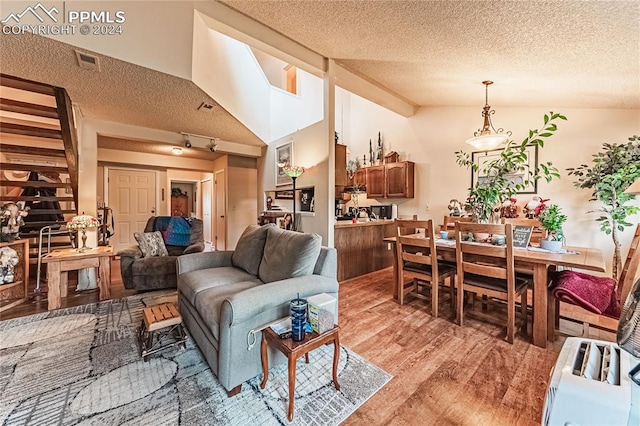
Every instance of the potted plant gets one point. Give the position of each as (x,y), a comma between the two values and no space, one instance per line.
(614,169)
(498,185)
(552,219)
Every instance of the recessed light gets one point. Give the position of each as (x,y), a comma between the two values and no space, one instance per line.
(176,150)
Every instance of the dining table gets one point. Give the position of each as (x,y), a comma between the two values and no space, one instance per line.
(537,261)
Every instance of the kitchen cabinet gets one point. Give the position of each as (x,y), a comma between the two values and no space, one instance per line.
(341,165)
(359,178)
(375,178)
(399,180)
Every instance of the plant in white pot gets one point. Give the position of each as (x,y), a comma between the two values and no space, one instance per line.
(552,219)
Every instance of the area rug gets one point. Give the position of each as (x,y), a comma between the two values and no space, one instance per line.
(81,366)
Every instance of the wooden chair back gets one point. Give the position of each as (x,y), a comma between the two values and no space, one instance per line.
(538,231)
(483,259)
(451,220)
(630,268)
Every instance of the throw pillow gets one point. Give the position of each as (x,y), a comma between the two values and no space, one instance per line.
(151,244)
(288,254)
(248,252)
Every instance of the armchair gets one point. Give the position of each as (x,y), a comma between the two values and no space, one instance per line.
(152,273)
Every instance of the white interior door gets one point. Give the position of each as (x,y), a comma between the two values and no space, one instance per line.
(220,211)
(207,193)
(132,196)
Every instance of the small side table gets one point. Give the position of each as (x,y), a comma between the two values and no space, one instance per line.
(61,261)
(160,322)
(293,351)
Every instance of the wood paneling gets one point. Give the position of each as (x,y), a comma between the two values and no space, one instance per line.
(361,248)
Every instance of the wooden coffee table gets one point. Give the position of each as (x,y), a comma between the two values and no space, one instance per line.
(293,351)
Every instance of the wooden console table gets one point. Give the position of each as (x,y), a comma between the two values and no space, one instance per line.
(14,293)
(60,262)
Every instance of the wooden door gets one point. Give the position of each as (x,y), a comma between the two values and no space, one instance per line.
(220,239)
(132,196)
(400,180)
(207,192)
(375,182)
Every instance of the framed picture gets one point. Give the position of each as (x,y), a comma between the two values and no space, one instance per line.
(283,157)
(284,195)
(481,158)
(307,199)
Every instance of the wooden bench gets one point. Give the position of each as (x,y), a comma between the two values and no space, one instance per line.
(162,323)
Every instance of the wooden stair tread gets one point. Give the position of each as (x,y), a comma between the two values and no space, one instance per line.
(42,224)
(27,85)
(28,108)
(20,129)
(38,212)
(32,150)
(34,198)
(32,167)
(35,184)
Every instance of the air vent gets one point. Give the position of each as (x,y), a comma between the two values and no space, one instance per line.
(87,61)
(206,106)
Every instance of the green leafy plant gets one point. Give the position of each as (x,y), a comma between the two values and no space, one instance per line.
(485,196)
(552,219)
(613,170)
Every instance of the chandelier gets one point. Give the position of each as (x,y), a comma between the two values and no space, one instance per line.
(485,139)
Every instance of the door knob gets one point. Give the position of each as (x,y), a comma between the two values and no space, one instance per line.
(221,217)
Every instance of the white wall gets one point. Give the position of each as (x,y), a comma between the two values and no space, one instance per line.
(432,136)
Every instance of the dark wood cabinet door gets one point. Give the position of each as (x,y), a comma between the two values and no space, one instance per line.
(375,181)
(400,180)
(359,178)
(341,165)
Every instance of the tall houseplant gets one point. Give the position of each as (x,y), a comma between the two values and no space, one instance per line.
(613,170)
(491,192)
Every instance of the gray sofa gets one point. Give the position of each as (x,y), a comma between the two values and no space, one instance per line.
(226,297)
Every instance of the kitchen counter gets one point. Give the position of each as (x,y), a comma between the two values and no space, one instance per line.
(361,248)
(349,224)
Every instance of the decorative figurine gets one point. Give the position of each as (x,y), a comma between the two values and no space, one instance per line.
(370,153)
(534,207)
(379,154)
(455,208)
(12,218)
(509,208)
(8,260)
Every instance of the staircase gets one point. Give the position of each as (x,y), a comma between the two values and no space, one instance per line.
(37,134)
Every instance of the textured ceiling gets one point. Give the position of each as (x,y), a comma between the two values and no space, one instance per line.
(121,92)
(539,53)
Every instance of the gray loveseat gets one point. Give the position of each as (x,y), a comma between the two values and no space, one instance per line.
(226,297)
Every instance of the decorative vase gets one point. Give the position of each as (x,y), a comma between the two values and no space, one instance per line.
(551,245)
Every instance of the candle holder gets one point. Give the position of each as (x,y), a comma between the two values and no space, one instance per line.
(82,223)
(298,310)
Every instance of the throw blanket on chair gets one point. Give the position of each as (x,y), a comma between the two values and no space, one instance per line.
(595,294)
(175,230)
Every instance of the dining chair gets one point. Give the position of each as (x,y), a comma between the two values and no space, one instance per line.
(449,221)
(418,260)
(488,270)
(538,231)
(622,287)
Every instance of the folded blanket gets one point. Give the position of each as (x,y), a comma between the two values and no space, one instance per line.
(175,230)
(595,294)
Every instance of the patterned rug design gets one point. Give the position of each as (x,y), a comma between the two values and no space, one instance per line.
(81,366)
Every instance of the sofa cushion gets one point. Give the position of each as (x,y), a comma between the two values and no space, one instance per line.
(194,282)
(154,266)
(248,252)
(288,254)
(209,301)
(151,244)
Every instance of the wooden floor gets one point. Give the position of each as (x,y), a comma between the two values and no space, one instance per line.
(442,374)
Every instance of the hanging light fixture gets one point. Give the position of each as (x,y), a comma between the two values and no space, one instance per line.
(485,139)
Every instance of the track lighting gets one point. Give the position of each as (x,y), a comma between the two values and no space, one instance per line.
(187,144)
(188,137)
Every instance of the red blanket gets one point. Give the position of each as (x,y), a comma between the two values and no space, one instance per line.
(595,294)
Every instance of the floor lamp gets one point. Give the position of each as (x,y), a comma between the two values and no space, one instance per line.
(294,172)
